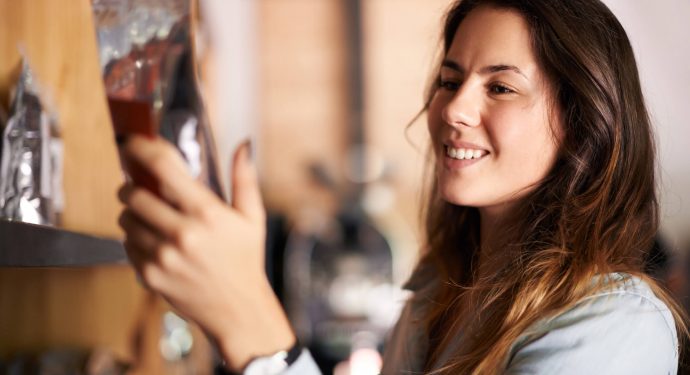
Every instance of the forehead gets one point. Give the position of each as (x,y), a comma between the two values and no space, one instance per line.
(490,35)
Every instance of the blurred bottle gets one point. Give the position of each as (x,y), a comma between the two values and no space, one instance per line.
(338,283)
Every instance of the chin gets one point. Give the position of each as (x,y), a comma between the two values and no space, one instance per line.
(459,197)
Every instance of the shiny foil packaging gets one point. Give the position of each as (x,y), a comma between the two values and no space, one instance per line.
(3,121)
(30,158)
(147,61)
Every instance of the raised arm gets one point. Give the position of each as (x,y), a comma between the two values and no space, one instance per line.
(204,257)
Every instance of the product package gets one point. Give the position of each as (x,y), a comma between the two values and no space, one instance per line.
(3,122)
(148,69)
(30,158)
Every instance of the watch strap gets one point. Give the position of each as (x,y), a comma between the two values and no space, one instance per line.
(275,364)
(293,353)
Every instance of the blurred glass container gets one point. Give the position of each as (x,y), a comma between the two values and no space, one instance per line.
(338,284)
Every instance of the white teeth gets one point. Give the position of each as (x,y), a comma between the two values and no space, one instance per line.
(464,153)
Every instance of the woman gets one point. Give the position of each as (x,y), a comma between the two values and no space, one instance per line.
(540,213)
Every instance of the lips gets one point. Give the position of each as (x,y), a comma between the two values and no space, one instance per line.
(462,154)
(464,150)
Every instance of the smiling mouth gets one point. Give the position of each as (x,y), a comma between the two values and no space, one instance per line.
(464,153)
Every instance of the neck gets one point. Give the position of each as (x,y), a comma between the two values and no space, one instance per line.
(492,254)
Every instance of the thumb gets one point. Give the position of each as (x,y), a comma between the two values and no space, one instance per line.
(246,197)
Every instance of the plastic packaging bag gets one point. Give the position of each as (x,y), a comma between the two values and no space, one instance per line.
(148,70)
(30,158)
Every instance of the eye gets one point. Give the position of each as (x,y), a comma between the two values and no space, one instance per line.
(449,85)
(499,89)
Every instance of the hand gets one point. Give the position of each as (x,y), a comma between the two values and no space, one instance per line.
(205,258)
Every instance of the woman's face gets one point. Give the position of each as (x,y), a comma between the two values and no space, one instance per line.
(489,121)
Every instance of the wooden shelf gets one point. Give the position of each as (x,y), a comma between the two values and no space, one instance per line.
(28,245)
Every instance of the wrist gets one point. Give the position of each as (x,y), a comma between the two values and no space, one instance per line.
(274,364)
(260,329)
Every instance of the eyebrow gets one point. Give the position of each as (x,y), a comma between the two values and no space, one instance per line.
(485,70)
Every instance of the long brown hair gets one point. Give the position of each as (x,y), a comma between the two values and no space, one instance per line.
(596,211)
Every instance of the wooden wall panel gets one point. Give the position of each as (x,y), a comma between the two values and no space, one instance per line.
(43,308)
(89,308)
(85,307)
(59,40)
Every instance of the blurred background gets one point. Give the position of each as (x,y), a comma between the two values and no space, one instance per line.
(327,91)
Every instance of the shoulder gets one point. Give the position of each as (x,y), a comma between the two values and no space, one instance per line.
(624,329)
(625,302)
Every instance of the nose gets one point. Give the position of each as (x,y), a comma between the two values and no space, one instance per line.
(463,107)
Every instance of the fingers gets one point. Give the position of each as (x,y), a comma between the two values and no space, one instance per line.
(151,210)
(164,162)
(138,233)
(246,196)
(148,273)
(151,256)
(137,257)
(141,243)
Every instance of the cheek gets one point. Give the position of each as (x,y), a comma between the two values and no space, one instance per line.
(523,141)
(506,128)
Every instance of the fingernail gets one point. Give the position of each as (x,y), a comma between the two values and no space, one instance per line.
(247,145)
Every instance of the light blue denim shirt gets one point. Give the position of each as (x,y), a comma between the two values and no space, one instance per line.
(624,330)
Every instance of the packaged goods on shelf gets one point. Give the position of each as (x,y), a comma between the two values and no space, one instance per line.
(30,158)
